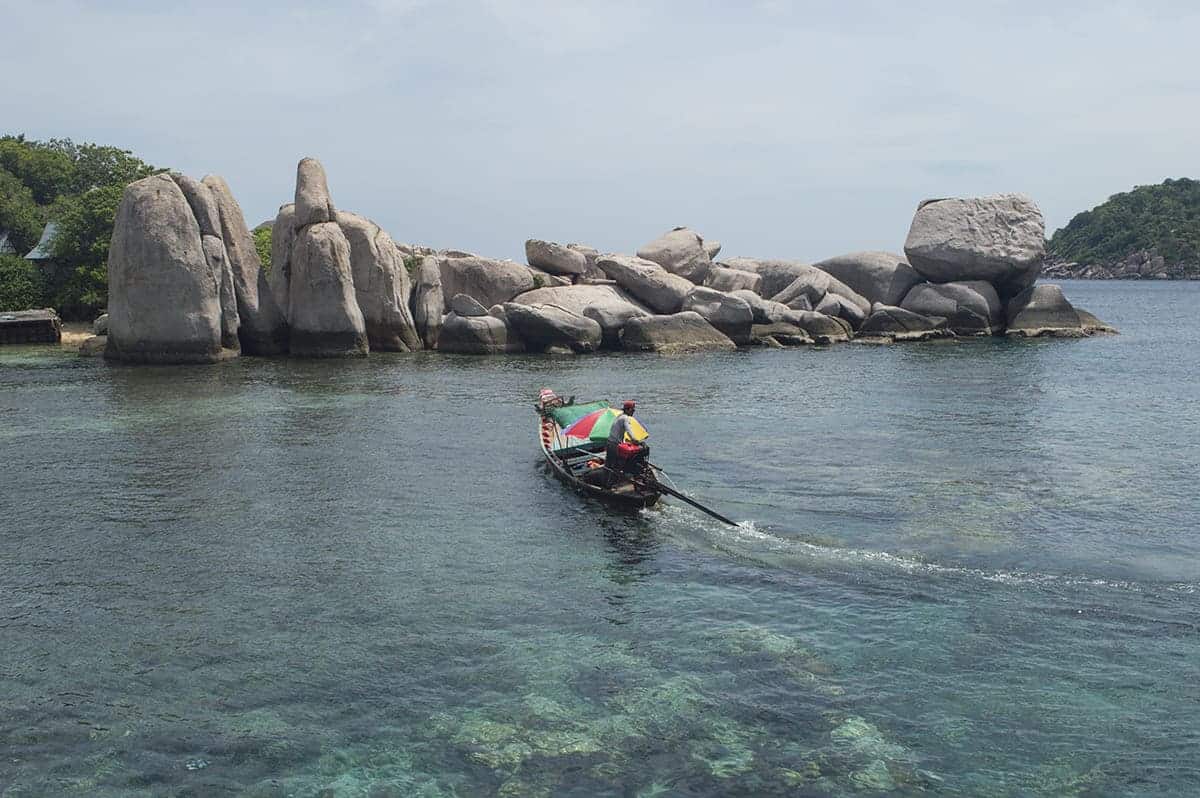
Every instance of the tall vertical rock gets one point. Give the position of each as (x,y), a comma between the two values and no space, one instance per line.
(263,330)
(218,261)
(204,207)
(325,318)
(283,235)
(381,285)
(163,296)
(323,313)
(427,301)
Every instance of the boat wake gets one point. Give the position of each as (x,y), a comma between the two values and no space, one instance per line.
(749,543)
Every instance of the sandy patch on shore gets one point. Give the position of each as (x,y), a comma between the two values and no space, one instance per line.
(75,333)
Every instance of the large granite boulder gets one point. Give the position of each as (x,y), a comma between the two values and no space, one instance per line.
(427,300)
(325,318)
(681,252)
(218,261)
(725,279)
(812,285)
(543,278)
(729,314)
(779,334)
(283,236)
(491,282)
(896,323)
(202,203)
(591,255)
(712,249)
(476,335)
(262,327)
(381,285)
(164,303)
(464,305)
(607,305)
(313,203)
(674,334)
(554,258)
(821,328)
(776,274)
(654,286)
(834,305)
(551,328)
(765,311)
(877,276)
(999,238)
(970,308)
(1043,310)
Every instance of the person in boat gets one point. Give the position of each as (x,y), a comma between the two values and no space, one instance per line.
(618,461)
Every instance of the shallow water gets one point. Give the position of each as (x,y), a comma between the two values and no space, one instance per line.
(965,569)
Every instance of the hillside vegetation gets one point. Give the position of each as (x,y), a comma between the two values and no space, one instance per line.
(78,186)
(1162,220)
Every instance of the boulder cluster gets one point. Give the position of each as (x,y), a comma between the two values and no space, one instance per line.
(186,285)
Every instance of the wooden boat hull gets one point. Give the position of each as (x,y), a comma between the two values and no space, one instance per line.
(624,494)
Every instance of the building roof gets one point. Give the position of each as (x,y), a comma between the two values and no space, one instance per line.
(6,247)
(43,251)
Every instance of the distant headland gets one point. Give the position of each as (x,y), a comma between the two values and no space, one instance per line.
(1149,233)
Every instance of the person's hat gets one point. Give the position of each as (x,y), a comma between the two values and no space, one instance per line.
(629,404)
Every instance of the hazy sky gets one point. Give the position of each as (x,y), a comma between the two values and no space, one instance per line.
(794,130)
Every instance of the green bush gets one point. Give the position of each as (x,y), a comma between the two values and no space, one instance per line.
(262,243)
(21,285)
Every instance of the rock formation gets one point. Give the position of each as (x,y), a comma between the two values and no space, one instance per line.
(262,329)
(427,301)
(877,276)
(554,258)
(674,334)
(325,318)
(476,335)
(548,328)
(727,313)
(1000,239)
(313,204)
(648,282)
(1043,310)
(607,305)
(970,308)
(680,252)
(725,279)
(898,324)
(491,282)
(164,300)
(381,285)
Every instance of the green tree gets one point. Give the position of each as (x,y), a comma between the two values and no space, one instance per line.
(262,243)
(20,216)
(45,170)
(85,226)
(20,284)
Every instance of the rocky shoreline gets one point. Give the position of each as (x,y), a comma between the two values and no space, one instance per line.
(186,286)
(1140,265)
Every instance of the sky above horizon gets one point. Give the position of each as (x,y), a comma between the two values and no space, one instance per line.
(788,130)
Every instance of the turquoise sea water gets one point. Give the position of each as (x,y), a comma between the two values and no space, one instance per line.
(965,569)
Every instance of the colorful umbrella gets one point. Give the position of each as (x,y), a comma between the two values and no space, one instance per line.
(595,426)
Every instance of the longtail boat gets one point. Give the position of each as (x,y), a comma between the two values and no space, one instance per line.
(580,461)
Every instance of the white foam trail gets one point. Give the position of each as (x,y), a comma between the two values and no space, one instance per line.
(726,538)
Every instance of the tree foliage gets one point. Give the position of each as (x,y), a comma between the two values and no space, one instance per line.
(20,216)
(1164,219)
(262,243)
(79,187)
(20,284)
